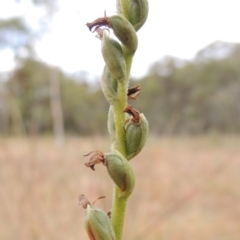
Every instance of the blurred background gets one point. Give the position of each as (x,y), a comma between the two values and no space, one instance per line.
(52,111)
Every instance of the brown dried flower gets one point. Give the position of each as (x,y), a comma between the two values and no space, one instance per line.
(82,200)
(135,115)
(96,158)
(133,92)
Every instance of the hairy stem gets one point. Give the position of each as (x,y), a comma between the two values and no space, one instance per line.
(128,59)
(119,203)
(118,213)
(119,117)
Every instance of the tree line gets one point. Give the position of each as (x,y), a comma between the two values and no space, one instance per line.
(178,97)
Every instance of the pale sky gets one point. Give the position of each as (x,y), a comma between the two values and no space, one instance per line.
(174,27)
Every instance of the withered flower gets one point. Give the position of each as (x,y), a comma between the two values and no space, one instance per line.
(82,200)
(99,22)
(135,115)
(121,27)
(133,92)
(96,158)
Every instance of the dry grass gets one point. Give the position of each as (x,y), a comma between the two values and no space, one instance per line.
(187,188)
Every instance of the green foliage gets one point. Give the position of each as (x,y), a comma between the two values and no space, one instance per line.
(198,97)
(14,33)
(29,87)
(83,108)
(17,34)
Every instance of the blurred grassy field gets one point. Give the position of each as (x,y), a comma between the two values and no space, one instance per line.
(187,188)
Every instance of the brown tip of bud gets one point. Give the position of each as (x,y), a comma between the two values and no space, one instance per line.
(97,157)
(134,92)
(82,200)
(135,115)
(99,22)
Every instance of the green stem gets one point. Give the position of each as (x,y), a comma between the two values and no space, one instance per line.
(119,118)
(128,60)
(119,203)
(118,213)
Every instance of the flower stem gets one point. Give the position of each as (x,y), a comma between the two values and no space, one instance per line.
(119,118)
(118,213)
(119,203)
(128,59)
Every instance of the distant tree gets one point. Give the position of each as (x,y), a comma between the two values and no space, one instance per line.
(14,34)
(56,107)
(29,87)
(198,96)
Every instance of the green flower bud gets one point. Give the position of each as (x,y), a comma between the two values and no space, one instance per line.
(136,132)
(111,125)
(124,31)
(120,171)
(98,225)
(136,11)
(109,85)
(113,57)
(119,7)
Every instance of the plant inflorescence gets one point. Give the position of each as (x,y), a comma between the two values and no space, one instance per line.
(127,127)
